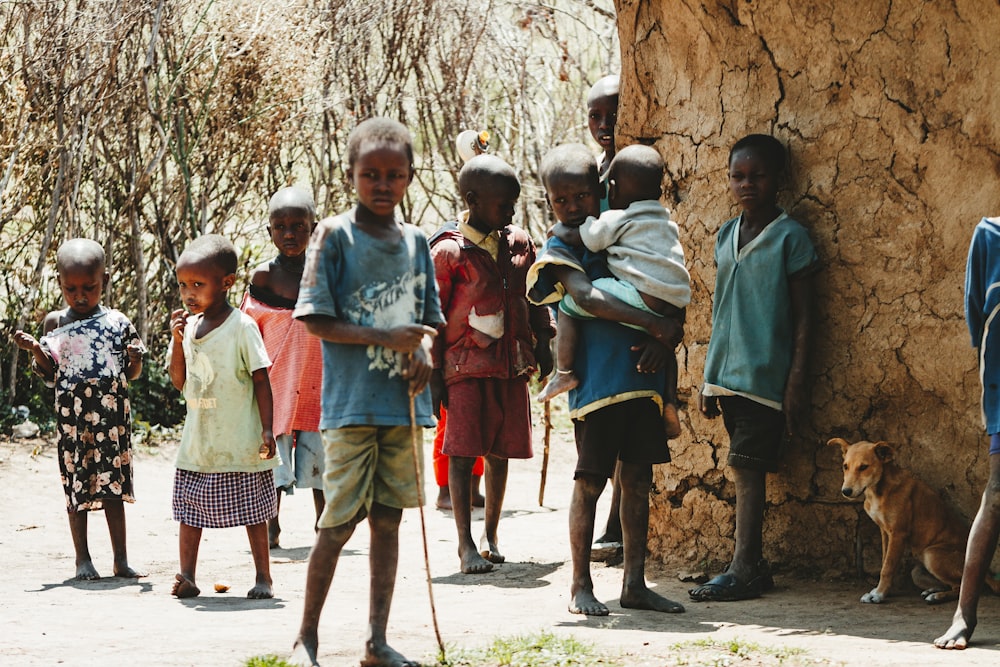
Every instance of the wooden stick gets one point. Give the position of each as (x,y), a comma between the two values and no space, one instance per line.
(417,441)
(547,419)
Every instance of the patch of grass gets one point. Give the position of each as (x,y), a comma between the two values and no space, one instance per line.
(738,652)
(266,661)
(544,649)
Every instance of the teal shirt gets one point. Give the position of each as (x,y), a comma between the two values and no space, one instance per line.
(750,352)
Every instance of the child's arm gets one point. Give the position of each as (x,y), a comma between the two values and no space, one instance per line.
(265,405)
(133,367)
(178,367)
(667,330)
(794,403)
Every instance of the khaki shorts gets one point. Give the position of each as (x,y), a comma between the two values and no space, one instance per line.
(365,465)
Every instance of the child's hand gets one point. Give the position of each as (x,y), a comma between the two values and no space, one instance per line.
(708,406)
(667,330)
(25,341)
(417,368)
(268,448)
(135,352)
(408,337)
(543,355)
(652,355)
(178,320)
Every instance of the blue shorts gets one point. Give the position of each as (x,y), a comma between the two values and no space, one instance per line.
(995,444)
(302,465)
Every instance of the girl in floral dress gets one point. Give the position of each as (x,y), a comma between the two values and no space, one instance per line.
(89,354)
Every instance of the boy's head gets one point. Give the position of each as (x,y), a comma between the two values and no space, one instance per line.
(291,215)
(572,183)
(756,164)
(489,188)
(602,112)
(636,174)
(380,164)
(81,274)
(206,270)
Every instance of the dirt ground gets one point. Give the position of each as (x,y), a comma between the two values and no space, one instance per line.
(47,618)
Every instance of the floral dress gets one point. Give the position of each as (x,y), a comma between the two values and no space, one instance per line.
(92,408)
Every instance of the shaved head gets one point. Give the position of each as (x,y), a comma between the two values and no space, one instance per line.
(604,87)
(638,173)
(291,198)
(485,172)
(569,161)
(80,255)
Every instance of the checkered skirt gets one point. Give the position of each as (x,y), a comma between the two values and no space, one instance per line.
(224,499)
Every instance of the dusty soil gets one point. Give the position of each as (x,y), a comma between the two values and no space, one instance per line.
(48,618)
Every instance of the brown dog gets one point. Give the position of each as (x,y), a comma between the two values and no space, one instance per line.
(906,510)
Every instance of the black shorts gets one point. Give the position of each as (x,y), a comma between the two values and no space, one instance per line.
(631,431)
(756,433)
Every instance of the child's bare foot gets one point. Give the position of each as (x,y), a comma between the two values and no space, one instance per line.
(559,382)
(262,590)
(958,635)
(643,598)
(443,501)
(86,571)
(584,602)
(489,550)
(184,587)
(304,653)
(473,562)
(383,655)
(671,422)
(124,571)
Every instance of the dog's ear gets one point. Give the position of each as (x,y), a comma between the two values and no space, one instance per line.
(840,442)
(884,451)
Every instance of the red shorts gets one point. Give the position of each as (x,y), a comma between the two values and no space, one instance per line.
(488,416)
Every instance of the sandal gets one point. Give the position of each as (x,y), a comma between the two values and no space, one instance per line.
(727,588)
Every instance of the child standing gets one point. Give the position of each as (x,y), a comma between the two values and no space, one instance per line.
(296,373)
(217,358)
(368,292)
(602,116)
(982,303)
(89,354)
(488,349)
(755,370)
(616,408)
(644,253)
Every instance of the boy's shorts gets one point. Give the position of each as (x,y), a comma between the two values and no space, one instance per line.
(995,444)
(620,289)
(756,433)
(489,417)
(365,465)
(631,431)
(301,464)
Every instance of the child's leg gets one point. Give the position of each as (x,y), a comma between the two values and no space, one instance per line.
(443,501)
(189,538)
(636,479)
(671,421)
(114,513)
(273,525)
(563,379)
(322,565)
(982,544)
(383,559)
(257,534)
(613,529)
(319,502)
(478,499)
(496,487)
(78,530)
(459,482)
(751,492)
(582,508)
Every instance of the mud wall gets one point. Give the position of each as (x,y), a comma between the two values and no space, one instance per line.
(891,114)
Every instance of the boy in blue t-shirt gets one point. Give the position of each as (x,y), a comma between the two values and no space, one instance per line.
(368,291)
